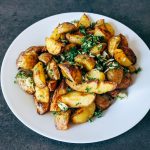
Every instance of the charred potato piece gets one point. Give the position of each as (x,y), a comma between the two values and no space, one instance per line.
(83,114)
(52,84)
(70,72)
(55,35)
(61,90)
(45,58)
(27,60)
(113,44)
(123,41)
(69,46)
(115,75)
(95,74)
(37,49)
(25,81)
(39,75)
(103,101)
(42,99)
(121,58)
(84,21)
(61,120)
(74,38)
(77,99)
(114,93)
(98,49)
(54,47)
(110,28)
(86,61)
(52,70)
(66,27)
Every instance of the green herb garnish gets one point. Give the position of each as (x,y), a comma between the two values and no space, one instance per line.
(138,70)
(69,89)
(88,89)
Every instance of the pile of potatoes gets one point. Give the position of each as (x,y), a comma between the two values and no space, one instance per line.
(61,87)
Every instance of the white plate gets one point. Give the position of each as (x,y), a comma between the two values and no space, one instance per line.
(119,118)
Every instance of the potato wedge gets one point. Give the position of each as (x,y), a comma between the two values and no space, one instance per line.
(121,58)
(110,28)
(95,74)
(77,99)
(39,75)
(66,27)
(84,21)
(54,47)
(27,60)
(82,115)
(42,99)
(86,61)
(74,38)
(100,22)
(132,68)
(113,44)
(61,120)
(45,58)
(61,90)
(55,35)
(115,75)
(25,81)
(37,49)
(98,49)
(70,72)
(52,84)
(124,41)
(52,70)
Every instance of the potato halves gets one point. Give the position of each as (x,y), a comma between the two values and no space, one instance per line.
(84,21)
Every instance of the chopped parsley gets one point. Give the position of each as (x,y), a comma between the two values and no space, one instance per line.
(69,89)
(121,95)
(88,89)
(63,106)
(82,30)
(78,103)
(138,70)
(92,25)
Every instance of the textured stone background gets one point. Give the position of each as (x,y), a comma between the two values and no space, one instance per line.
(16,15)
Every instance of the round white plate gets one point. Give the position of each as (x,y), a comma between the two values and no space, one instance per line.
(120,117)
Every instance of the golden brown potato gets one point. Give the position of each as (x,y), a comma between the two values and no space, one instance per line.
(113,44)
(27,60)
(98,49)
(37,49)
(54,47)
(110,28)
(83,114)
(121,58)
(69,46)
(103,101)
(61,120)
(39,75)
(115,75)
(25,81)
(114,93)
(52,84)
(66,27)
(45,58)
(84,21)
(77,99)
(55,35)
(100,22)
(95,74)
(132,68)
(42,99)
(86,61)
(52,70)
(74,38)
(124,41)
(71,72)
(61,90)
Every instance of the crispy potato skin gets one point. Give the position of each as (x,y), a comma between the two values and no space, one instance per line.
(110,28)
(70,72)
(83,114)
(45,58)
(39,75)
(37,49)
(124,41)
(52,84)
(86,61)
(76,99)
(84,21)
(114,93)
(27,60)
(115,75)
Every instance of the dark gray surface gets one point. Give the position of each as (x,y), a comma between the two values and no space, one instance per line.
(16,15)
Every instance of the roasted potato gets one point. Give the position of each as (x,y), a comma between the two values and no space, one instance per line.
(52,84)
(69,46)
(95,74)
(132,68)
(66,27)
(74,38)
(39,75)
(114,93)
(113,44)
(27,60)
(98,49)
(77,99)
(52,70)
(37,49)
(99,22)
(54,47)
(71,72)
(110,28)
(123,41)
(84,21)
(83,114)
(42,99)
(115,75)
(61,90)
(61,120)
(25,81)
(55,35)
(45,58)
(86,61)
